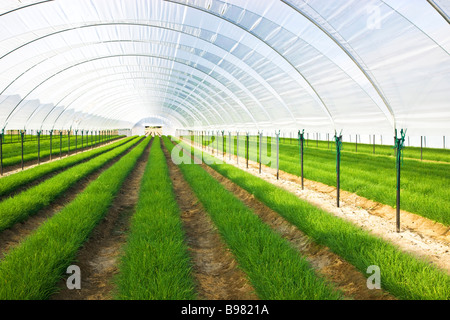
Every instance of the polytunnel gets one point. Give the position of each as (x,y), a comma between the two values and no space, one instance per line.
(356,66)
(248,151)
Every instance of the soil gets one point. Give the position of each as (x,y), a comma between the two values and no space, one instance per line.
(99,257)
(426,239)
(14,235)
(341,274)
(216,271)
(333,268)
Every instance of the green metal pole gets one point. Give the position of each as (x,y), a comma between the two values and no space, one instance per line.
(39,146)
(1,153)
(338,140)
(51,136)
(68,142)
(60,144)
(301,141)
(260,150)
(22,133)
(246,153)
(278,153)
(399,146)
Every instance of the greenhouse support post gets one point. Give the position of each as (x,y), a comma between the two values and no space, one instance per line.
(223,144)
(82,137)
(399,145)
(76,140)
(246,149)
(277,134)
(237,147)
(51,136)
(421,146)
(356,143)
(301,140)
(22,133)
(39,146)
(229,145)
(373,144)
(60,144)
(1,153)
(338,140)
(68,142)
(260,150)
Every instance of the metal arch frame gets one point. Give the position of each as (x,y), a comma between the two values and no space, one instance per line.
(117,106)
(107,121)
(196,98)
(187,110)
(97,58)
(177,60)
(351,56)
(135,24)
(118,109)
(439,10)
(110,74)
(146,119)
(163,120)
(159,67)
(160,79)
(359,66)
(24,7)
(268,45)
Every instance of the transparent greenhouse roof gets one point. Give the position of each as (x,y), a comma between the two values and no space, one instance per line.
(358,66)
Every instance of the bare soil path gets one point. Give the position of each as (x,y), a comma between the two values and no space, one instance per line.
(99,257)
(14,235)
(215,269)
(420,236)
(330,266)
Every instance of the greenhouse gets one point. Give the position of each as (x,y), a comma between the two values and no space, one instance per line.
(200,150)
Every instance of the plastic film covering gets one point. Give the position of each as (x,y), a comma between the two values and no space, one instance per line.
(358,66)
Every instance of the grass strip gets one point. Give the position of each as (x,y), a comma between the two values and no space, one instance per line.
(19,179)
(424,185)
(431,154)
(33,269)
(12,153)
(19,207)
(156,264)
(402,274)
(275,269)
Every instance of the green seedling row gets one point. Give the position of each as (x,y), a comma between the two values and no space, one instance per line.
(12,152)
(33,269)
(402,274)
(427,154)
(155,264)
(19,179)
(21,206)
(424,185)
(275,269)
